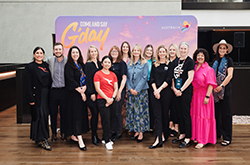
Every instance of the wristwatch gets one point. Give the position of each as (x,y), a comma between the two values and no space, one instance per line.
(222,85)
(207,97)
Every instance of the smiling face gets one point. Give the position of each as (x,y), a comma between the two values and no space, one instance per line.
(136,52)
(200,58)
(183,50)
(222,50)
(93,53)
(114,53)
(38,56)
(162,54)
(75,54)
(172,51)
(58,50)
(125,48)
(149,52)
(106,64)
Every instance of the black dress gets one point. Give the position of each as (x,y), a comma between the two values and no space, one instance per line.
(37,80)
(77,114)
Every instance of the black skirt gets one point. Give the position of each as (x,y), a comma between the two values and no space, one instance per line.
(39,129)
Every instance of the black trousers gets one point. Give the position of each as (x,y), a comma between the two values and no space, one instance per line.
(183,105)
(223,115)
(106,118)
(58,98)
(117,119)
(161,113)
(94,114)
(173,114)
(150,106)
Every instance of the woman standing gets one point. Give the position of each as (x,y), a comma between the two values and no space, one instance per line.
(174,55)
(202,106)
(125,50)
(148,54)
(120,69)
(38,81)
(160,80)
(137,115)
(223,67)
(183,89)
(76,86)
(91,67)
(106,86)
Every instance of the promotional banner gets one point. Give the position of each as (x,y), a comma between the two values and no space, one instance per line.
(107,31)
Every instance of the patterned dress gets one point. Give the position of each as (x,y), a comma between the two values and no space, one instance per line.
(137,113)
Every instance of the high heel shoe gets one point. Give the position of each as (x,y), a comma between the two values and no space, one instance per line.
(177,140)
(139,140)
(134,137)
(73,141)
(157,145)
(83,148)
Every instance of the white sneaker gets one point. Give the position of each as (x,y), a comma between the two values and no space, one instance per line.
(109,146)
(103,142)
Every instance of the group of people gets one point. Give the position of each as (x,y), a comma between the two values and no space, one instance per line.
(168,92)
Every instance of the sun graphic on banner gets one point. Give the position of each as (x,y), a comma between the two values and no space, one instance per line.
(185,26)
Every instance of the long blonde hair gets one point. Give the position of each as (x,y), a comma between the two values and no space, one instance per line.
(89,59)
(176,50)
(157,58)
(143,60)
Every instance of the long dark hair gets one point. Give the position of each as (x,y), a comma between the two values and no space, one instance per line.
(36,49)
(129,51)
(217,55)
(80,59)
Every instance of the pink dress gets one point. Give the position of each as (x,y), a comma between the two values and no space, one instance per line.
(202,116)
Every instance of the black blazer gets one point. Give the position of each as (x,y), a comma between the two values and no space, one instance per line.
(33,83)
(72,77)
(90,69)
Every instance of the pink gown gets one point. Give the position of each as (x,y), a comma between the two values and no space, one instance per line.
(202,116)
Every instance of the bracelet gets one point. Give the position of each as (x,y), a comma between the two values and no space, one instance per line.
(112,97)
(180,90)
(207,97)
(222,85)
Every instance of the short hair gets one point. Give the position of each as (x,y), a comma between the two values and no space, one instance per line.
(88,53)
(111,60)
(184,43)
(58,43)
(119,58)
(80,59)
(201,50)
(145,49)
(129,51)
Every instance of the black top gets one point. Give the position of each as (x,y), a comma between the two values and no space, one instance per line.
(188,66)
(120,69)
(36,77)
(44,71)
(229,64)
(72,77)
(161,73)
(90,69)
